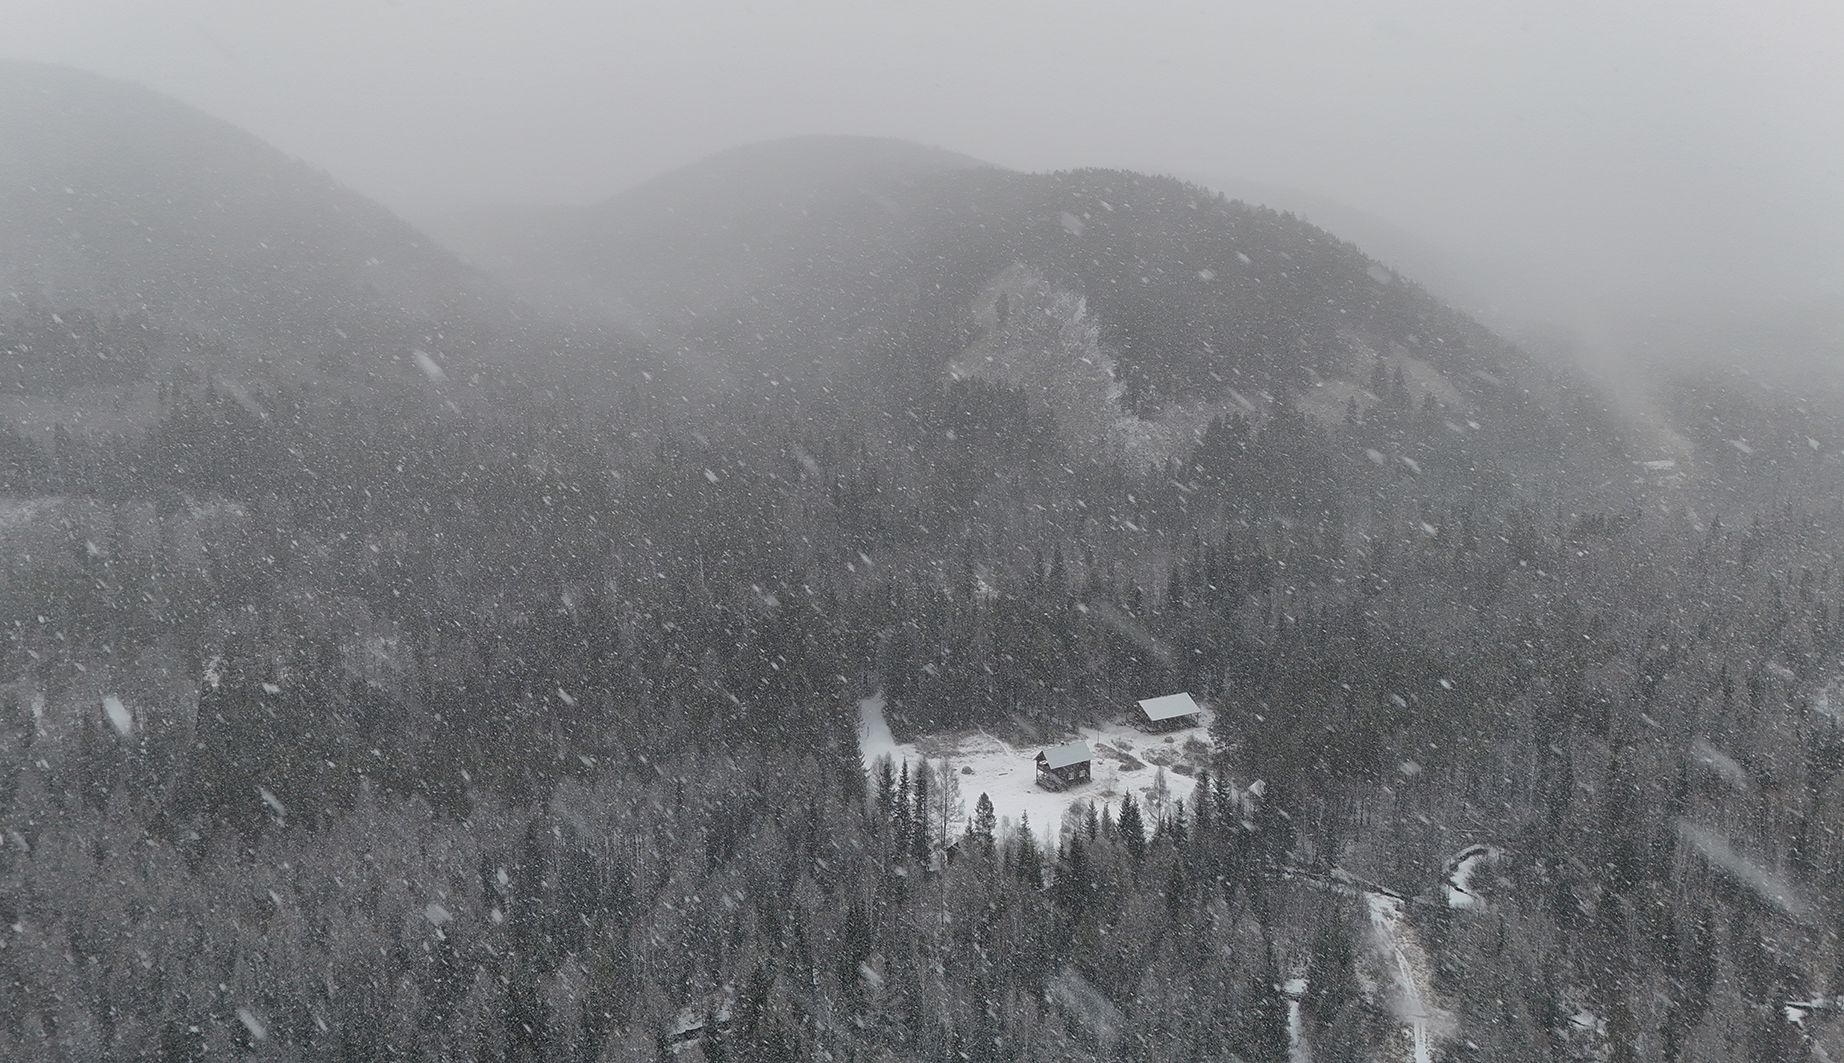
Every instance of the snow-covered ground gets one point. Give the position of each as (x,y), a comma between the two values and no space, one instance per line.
(1407,966)
(1126,760)
(1298,1051)
(1461,892)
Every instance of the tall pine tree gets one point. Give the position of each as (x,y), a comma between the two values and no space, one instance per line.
(1132,828)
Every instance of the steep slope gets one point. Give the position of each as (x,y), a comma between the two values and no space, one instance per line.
(119,201)
(1104,294)
(1189,292)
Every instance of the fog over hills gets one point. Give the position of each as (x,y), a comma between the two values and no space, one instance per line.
(771,259)
(573,654)
(705,237)
(836,232)
(118,199)
(1151,306)
(1135,309)
(131,223)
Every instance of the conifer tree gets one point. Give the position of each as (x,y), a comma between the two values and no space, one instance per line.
(1176,890)
(1132,829)
(919,821)
(1331,974)
(886,786)
(984,822)
(1074,876)
(899,821)
(1265,1035)
(1175,828)
(1028,862)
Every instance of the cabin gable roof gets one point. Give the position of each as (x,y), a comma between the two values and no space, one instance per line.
(1065,755)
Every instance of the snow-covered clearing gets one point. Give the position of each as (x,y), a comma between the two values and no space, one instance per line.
(1126,760)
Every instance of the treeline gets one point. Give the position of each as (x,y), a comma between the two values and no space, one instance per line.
(43,352)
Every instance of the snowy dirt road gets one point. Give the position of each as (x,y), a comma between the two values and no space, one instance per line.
(1411,976)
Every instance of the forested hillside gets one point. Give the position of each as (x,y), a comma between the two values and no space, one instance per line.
(387,730)
(814,261)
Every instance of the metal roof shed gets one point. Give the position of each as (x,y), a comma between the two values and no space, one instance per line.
(1170,711)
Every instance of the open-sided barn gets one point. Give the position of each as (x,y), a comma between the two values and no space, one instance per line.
(1169,713)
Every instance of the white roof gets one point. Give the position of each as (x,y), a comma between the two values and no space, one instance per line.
(1064,756)
(1168,707)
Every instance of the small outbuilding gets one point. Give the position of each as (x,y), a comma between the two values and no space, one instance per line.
(1169,713)
(1064,766)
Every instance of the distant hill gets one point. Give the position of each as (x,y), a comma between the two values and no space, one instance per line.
(116,200)
(706,236)
(1136,308)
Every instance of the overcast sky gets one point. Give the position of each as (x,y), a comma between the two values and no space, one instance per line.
(1606,145)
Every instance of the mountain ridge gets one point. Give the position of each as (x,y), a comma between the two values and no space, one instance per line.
(824,266)
(130,202)
(632,258)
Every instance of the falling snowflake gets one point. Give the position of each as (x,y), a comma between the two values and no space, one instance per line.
(118,714)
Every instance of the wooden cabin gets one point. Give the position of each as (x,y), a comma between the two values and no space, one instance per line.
(1064,766)
(1173,712)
